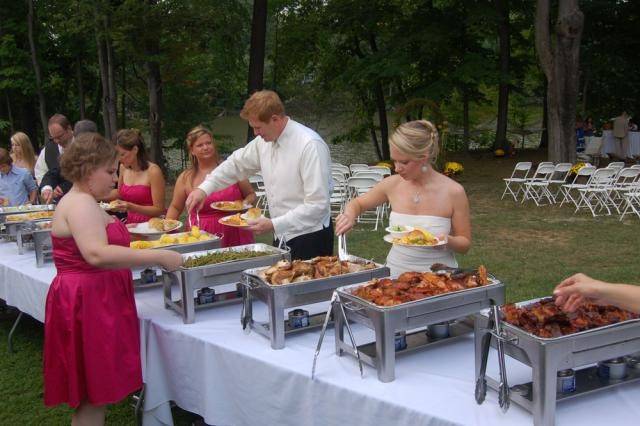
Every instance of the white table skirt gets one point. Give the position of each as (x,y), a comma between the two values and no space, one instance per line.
(610,144)
(231,378)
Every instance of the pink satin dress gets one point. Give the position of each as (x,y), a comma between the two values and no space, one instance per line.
(136,194)
(92,334)
(209,218)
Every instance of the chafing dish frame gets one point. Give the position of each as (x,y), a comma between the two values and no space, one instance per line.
(24,230)
(188,280)
(386,321)
(292,295)
(15,230)
(547,356)
(10,211)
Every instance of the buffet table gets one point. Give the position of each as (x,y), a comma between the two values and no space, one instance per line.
(214,369)
(610,144)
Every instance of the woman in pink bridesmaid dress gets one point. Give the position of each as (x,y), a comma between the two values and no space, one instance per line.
(92,341)
(141,184)
(204,158)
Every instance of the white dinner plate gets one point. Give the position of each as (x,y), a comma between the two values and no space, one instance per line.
(217,206)
(388,238)
(144,229)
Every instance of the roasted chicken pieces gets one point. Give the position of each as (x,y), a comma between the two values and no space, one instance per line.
(285,272)
(411,286)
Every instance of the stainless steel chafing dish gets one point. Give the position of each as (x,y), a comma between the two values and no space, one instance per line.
(13,229)
(8,211)
(284,296)
(188,280)
(548,356)
(386,321)
(25,234)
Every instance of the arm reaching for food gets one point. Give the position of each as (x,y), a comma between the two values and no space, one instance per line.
(580,288)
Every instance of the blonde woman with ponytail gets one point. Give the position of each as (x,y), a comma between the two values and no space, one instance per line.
(204,158)
(419,197)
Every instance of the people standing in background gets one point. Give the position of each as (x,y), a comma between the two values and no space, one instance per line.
(204,158)
(47,169)
(22,152)
(579,135)
(589,128)
(17,186)
(140,190)
(621,133)
(295,164)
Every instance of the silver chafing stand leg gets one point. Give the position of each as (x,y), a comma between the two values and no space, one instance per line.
(385,349)
(276,326)
(544,375)
(246,316)
(353,340)
(188,304)
(338,329)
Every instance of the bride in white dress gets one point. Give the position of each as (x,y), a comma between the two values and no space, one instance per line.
(419,196)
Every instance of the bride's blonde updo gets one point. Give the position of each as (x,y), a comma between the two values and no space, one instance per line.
(417,139)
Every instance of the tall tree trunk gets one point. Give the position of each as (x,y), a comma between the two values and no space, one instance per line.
(106,62)
(465,119)
(257,51)
(123,99)
(9,112)
(36,70)
(81,101)
(560,62)
(502,8)
(544,136)
(381,106)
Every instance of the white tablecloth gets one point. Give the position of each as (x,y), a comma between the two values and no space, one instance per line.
(214,369)
(610,144)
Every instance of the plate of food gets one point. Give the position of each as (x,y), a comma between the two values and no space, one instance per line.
(399,231)
(109,206)
(154,226)
(252,214)
(416,238)
(230,206)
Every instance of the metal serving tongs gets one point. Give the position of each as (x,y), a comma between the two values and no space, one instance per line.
(503,388)
(481,383)
(335,300)
(197,219)
(343,254)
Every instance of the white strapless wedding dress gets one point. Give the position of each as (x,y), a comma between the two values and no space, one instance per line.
(405,259)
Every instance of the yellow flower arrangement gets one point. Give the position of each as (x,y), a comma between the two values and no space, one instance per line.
(576,168)
(453,168)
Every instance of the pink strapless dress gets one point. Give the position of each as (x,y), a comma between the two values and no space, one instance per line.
(137,194)
(92,334)
(209,218)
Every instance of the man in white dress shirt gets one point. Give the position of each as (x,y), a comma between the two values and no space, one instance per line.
(295,166)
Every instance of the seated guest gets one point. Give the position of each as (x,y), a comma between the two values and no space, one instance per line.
(580,288)
(419,197)
(17,186)
(141,184)
(204,159)
(22,152)
(92,334)
(47,171)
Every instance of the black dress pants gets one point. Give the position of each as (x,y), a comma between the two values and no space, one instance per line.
(308,246)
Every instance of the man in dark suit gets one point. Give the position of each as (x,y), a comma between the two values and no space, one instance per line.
(53,185)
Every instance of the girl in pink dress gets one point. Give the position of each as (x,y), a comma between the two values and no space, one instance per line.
(141,184)
(92,342)
(204,158)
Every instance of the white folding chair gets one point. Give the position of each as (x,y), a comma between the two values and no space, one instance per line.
(559,178)
(341,168)
(596,196)
(338,197)
(516,180)
(632,200)
(581,180)
(625,181)
(385,171)
(258,186)
(592,151)
(358,166)
(538,186)
(361,185)
(373,174)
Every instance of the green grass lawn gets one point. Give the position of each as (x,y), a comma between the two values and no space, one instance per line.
(529,248)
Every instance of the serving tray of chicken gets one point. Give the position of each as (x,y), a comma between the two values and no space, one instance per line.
(412,304)
(297,283)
